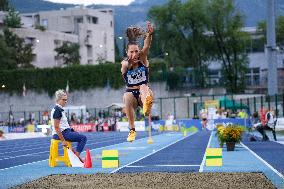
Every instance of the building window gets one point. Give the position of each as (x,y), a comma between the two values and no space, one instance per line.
(90,61)
(44,22)
(110,23)
(34,58)
(57,43)
(94,20)
(88,37)
(79,20)
(255,70)
(89,51)
(253,77)
(30,40)
(213,77)
(256,80)
(89,33)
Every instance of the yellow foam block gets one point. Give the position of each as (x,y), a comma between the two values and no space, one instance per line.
(110,159)
(213,157)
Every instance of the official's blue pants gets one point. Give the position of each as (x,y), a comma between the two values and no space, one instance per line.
(73,136)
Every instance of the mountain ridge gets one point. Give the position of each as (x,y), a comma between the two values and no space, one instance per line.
(254,10)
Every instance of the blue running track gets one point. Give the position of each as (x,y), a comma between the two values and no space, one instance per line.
(183,156)
(23,151)
(27,159)
(272,152)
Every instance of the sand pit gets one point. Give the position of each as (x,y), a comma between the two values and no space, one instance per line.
(153,180)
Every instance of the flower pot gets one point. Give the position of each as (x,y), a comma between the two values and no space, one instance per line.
(230,146)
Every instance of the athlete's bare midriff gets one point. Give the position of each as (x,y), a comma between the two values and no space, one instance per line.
(135,87)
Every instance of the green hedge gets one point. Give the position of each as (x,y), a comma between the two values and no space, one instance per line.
(80,77)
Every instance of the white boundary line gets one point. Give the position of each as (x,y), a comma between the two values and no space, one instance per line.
(263,161)
(32,154)
(48,142)
(48,159)
(204,157)
(23,164)
(151,153)
(138,166)
(279,142)
(82,152)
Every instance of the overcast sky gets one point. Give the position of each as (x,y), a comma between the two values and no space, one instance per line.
(88,2)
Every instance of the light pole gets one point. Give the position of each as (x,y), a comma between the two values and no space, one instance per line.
(272,76)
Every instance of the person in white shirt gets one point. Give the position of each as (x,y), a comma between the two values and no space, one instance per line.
(61,129)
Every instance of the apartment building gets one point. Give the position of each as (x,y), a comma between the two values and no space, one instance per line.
(257,74)
(92,29)
(44,43)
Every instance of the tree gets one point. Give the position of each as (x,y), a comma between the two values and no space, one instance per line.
(21,52)
(69,53)
(12,20)
(194,21)
(15,53)
(169,32)
(180,31)
(4,5)
(6,60)
(197,31)
(226,23)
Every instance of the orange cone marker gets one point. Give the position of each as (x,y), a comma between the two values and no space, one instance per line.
(88,160)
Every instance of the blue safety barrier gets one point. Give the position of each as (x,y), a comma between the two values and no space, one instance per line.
(16,129)
(197,122)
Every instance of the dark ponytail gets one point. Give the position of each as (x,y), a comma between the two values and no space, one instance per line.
(133,34)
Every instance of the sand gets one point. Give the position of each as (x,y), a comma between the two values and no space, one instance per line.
(152,180)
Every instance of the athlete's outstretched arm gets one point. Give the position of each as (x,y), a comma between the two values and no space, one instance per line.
(147,40)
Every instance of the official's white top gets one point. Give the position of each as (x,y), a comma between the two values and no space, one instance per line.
(58,113)
(270,121)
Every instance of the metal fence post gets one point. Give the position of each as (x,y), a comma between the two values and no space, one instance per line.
(188,107)
(248,104)
(161,110)
(82,118)
(175,107)
(195,109)
(261,102)
(39,116)
(276,109)
(283,104)
(254,104)
(268,100)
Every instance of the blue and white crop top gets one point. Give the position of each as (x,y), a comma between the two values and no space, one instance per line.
(137,76)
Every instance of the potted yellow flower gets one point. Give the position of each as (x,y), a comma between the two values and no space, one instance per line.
(231,135)
(219,133)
